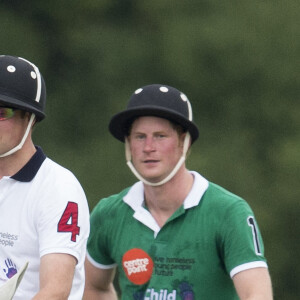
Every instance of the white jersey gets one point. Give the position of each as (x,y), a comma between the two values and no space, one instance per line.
(43,209)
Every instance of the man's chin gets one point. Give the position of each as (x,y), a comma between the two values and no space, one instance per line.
(152,178)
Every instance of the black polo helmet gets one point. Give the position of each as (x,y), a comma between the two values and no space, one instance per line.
(155,100)
(22,85)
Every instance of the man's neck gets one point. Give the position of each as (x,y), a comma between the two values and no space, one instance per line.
(13,163)
(162,201)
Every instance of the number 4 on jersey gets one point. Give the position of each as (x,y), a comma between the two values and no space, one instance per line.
(69,221)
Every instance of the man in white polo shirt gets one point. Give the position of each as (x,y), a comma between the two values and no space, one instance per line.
(44,215)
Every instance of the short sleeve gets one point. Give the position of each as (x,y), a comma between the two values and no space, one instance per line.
(242,244)
(99,239)
(63,219)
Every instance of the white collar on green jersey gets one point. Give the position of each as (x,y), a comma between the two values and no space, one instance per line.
(135,199)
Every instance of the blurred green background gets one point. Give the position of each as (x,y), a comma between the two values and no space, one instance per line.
(237,61)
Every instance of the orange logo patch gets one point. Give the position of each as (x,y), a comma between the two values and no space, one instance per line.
(138,266)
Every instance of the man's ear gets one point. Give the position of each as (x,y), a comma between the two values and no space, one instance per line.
(182,138)
(28,115)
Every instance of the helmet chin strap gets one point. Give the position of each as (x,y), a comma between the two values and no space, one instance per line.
(173,172)
(18,147)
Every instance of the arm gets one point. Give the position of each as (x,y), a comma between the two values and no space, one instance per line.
(99,283)
(253,284)
(56,276)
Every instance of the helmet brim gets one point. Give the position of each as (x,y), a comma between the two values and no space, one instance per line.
(15,103)
(120,123)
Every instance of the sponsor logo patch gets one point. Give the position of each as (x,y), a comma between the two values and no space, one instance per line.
(137,265)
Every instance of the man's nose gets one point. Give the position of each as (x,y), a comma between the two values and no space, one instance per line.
(149,144)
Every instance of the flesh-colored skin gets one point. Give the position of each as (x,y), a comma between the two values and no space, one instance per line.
(11,133)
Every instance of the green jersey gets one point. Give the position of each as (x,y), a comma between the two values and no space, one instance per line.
(209,239)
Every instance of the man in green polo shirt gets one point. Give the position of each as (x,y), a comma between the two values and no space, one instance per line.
(173,234)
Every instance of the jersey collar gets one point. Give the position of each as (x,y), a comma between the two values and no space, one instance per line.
(135,196)
(135,199)
(28,172)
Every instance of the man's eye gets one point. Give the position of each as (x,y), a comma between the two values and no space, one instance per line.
(139,137)
(160,136)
